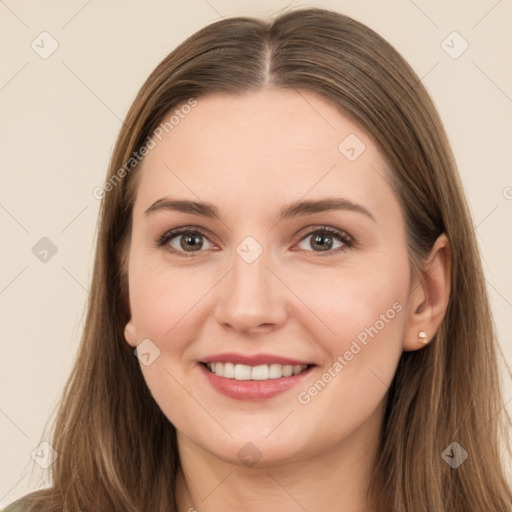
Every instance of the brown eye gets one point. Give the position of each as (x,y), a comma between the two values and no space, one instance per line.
(184,241)
(191,241)
(326,239)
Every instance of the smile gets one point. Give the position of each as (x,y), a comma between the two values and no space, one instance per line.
(260,372)
(258,381)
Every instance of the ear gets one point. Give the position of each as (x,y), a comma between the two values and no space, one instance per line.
(429,296)
(130,333)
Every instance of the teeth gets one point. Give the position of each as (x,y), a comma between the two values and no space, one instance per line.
(287,370)
(275,371)
(260,372)
(242,372)
(229,370)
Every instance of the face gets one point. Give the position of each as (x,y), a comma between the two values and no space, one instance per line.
(301,308)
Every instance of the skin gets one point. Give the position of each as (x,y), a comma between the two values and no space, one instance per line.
(250,156)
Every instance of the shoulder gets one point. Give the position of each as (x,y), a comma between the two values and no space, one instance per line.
(15,507)
(32,502)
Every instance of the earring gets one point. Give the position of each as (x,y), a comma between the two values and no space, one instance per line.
(422,337)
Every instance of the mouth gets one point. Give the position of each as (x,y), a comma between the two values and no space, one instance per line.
(262,372)
(253,378)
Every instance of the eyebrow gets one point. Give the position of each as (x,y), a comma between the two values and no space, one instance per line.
(293,210)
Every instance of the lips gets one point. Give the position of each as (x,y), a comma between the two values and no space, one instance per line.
(257,377)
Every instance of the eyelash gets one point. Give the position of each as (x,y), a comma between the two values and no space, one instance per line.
(343,237)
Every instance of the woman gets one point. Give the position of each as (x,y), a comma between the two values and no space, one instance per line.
(288,309)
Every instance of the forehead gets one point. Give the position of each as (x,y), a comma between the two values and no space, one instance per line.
(277,145)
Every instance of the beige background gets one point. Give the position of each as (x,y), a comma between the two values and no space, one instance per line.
(60,116)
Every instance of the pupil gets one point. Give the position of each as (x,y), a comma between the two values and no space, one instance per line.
(320,240)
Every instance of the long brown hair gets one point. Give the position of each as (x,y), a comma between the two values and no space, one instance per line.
(117,450)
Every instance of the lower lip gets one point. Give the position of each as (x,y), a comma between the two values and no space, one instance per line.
(253,389)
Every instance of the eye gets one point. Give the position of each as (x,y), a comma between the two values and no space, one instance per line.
(325,238)
(184,240)
(189,240)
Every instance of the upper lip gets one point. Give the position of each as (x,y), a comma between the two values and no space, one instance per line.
(254,360)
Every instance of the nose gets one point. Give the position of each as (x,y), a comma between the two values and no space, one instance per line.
(252,298)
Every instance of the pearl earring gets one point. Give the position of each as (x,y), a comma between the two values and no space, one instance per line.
(422,337)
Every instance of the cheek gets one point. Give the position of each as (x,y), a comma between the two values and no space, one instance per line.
(163,299)
(365,307)
(368,318)
(360,302)
(164,304)
(360,325)
(364,311)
